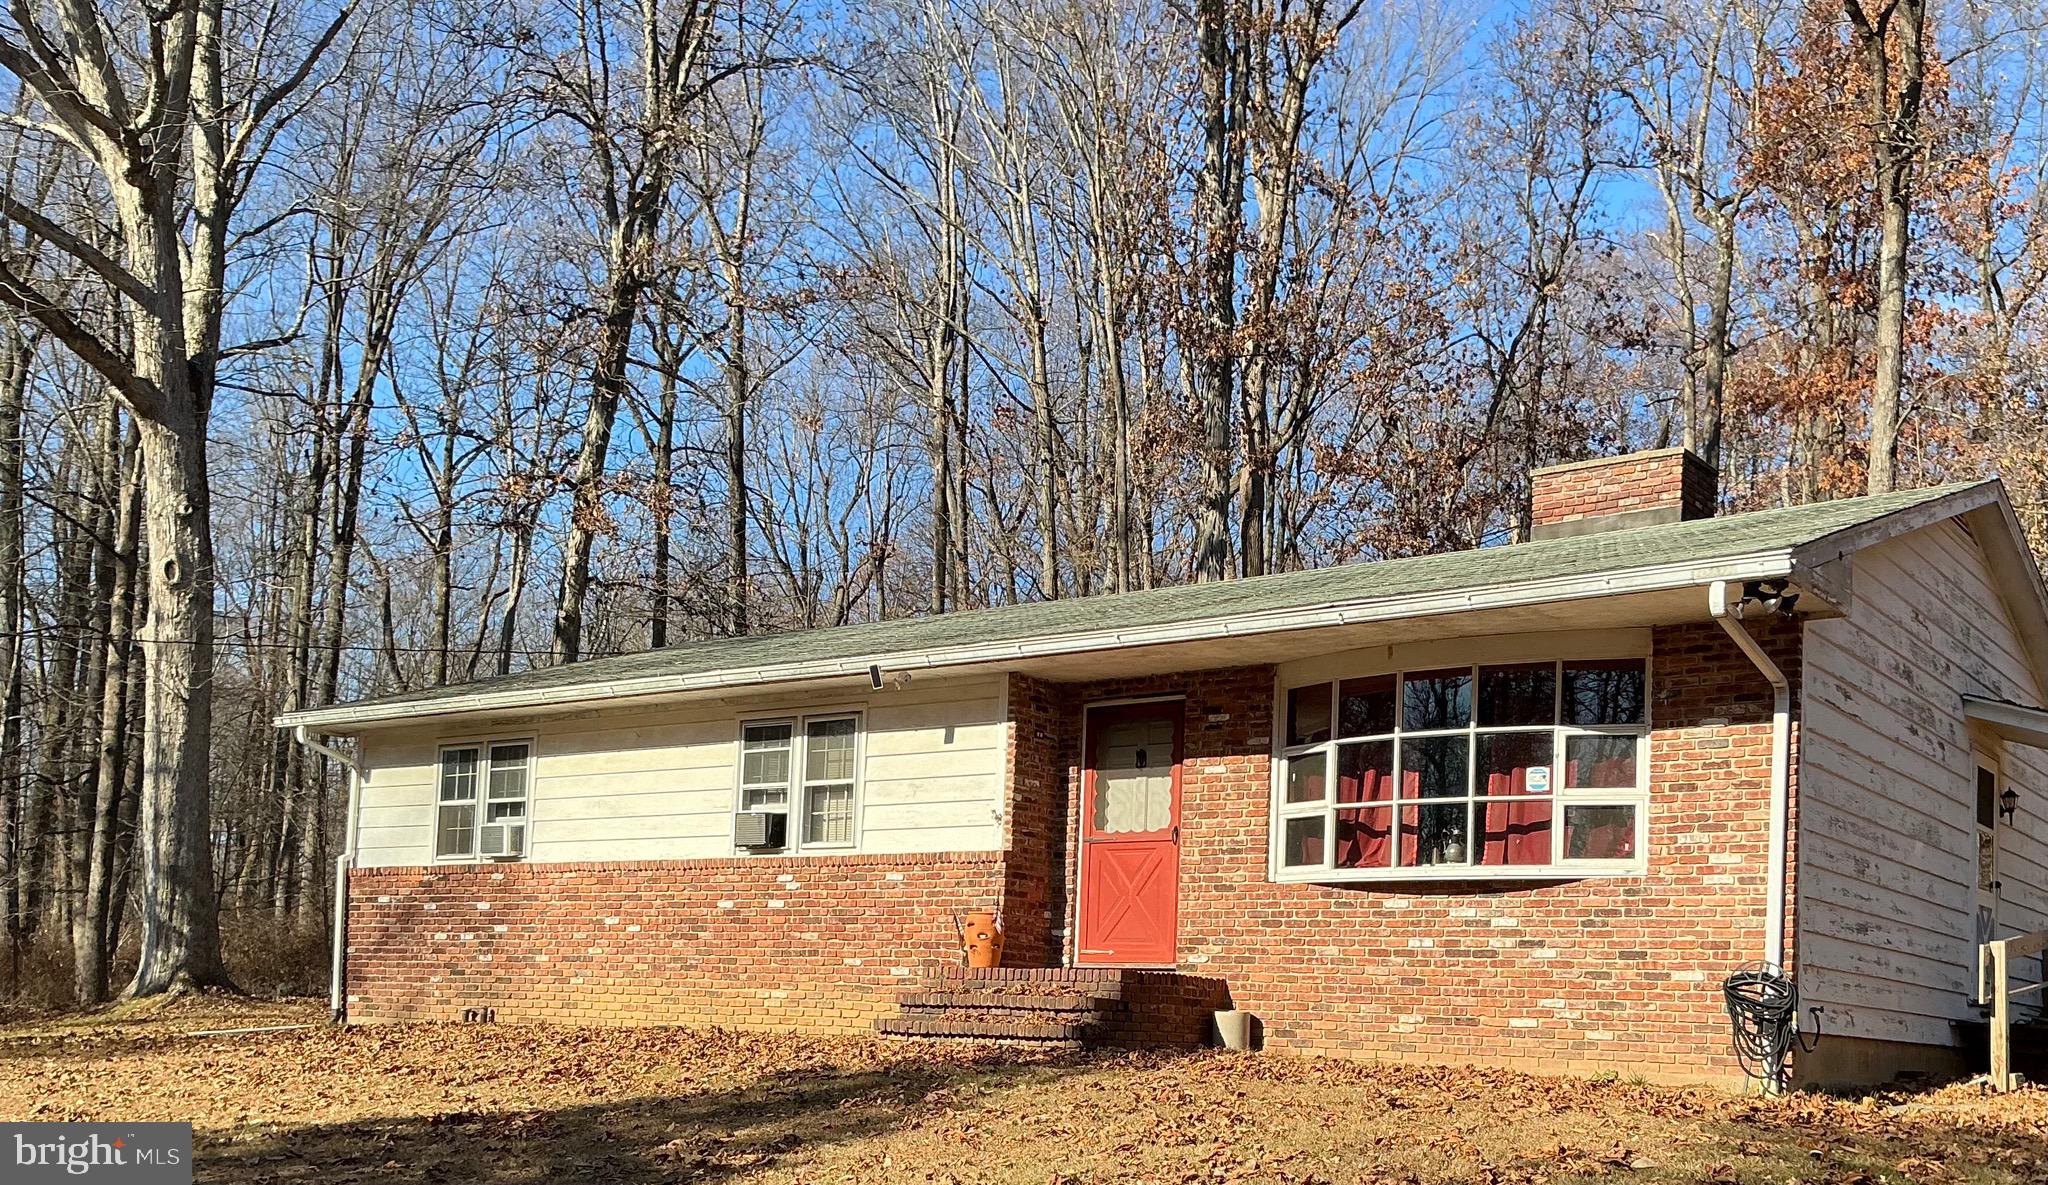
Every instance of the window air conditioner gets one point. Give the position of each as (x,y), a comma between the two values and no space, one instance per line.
(760,829)
(501,841)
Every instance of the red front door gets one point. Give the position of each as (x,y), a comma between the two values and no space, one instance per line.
(1130,836)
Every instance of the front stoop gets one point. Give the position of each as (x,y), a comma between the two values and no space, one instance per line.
(996,1015)
(1060,1007)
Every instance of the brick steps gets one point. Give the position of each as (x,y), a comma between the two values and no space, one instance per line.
(1059,1007)
(1008,1001)
(1002,1011)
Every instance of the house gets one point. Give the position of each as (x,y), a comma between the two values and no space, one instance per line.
(1526,805)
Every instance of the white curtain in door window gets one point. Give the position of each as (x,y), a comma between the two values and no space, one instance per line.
(1134,776)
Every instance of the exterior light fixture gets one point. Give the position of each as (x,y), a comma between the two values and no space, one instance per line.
(2008,804)
(1774,597)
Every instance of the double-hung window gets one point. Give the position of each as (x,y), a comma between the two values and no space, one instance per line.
(807,769)
(483,792)
(1511,769)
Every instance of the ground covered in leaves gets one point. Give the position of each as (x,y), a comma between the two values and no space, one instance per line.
(503,1104)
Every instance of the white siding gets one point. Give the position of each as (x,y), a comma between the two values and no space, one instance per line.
(659,784)
(1887,798)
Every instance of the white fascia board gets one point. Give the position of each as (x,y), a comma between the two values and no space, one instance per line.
(2014,722)
(1761,565)
(1850,540)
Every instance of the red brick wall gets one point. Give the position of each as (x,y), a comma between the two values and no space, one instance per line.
(1595,974)
(1034,826)
(816,943)
(1661,480)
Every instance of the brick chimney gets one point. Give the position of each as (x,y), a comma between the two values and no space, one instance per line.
(1608,493)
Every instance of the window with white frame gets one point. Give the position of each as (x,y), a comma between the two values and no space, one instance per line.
(806,769)
(1472,770)
(488,778)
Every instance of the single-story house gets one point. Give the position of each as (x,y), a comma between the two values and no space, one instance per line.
(1525,805)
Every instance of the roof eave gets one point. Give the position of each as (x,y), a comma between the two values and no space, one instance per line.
(1755,565)
(1837,545)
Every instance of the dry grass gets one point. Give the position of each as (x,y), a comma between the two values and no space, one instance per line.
(449,1104)
(265,958)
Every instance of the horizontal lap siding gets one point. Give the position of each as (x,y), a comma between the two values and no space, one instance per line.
(1887,875)
(658,784)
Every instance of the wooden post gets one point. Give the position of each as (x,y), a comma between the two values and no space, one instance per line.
(2000,955)
(2001,1020)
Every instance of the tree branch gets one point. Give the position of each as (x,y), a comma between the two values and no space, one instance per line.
(103,265)
(142,396)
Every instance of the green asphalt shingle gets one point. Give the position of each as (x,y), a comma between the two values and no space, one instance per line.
(1639,547)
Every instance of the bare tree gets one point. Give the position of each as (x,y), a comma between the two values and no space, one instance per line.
(1892,37)
(629,125)
(175,136)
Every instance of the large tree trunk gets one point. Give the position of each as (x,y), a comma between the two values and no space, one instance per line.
(515,592)
(736,579)
(1048,449)
(341,557)
(15,348)
(587,517)
(1714,362)
(1888,384)
(444,558)
(1896,85)
(739,393)
(92,934)
(661,505)
(180,930)
(1219,203)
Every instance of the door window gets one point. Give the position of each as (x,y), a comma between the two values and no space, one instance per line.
(1134,777)
(1987,854)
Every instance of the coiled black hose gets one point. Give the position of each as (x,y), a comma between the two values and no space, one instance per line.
(1763,1008)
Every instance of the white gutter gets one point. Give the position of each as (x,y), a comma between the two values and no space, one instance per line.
(1725,612)
(1761,565)
(336,1004)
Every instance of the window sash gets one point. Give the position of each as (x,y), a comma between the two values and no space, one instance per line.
(769,794)
(792,795)
(819,817)
(1560,798)
(481,795)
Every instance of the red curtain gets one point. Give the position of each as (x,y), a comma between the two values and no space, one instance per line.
(1364,785)
(1611,772)
(1362,838)
(1514,832)
(1601,841)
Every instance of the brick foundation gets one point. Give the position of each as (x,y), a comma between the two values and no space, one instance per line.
(812,943)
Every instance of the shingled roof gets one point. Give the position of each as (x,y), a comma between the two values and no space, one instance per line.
(846,649)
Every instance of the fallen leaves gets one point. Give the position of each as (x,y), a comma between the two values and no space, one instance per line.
(502,1104)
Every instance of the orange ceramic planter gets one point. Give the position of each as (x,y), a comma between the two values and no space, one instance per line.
(981,937)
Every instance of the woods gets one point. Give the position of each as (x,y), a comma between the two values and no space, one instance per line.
(408,342)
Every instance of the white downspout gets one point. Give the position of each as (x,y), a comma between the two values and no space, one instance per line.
(337,1006)
(1723,609)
